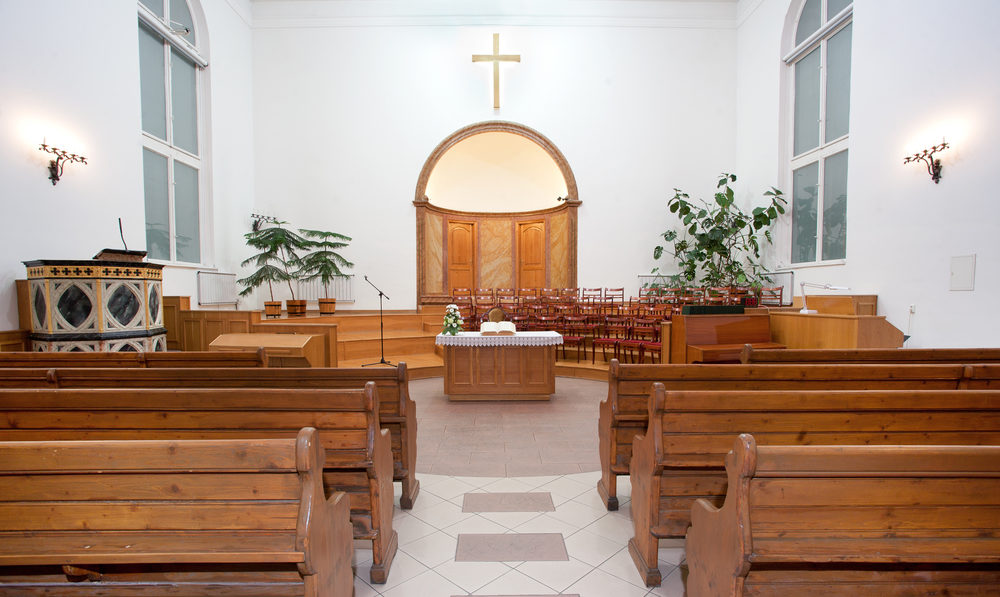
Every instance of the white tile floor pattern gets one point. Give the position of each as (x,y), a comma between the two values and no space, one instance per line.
(596,540)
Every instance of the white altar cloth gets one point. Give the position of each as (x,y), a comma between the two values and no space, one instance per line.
(518,339)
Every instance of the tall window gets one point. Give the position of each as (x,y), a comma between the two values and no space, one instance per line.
(821,65)
(170,73)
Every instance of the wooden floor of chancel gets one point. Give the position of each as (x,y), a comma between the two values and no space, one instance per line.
(547,451)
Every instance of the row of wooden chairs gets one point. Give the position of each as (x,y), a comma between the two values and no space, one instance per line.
(613,299)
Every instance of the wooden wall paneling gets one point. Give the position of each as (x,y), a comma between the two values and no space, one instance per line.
(432,255)
(14,341)
(23,290)
(531,254)
(172,307)
(462,259)
(559,258)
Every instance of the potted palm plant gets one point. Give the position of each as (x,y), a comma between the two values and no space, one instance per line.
(323,262)
(277,248)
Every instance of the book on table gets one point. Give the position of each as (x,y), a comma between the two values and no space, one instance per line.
(497,328)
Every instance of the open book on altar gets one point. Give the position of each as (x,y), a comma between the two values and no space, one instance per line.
(497,328)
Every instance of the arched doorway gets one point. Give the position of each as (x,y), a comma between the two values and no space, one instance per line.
(482,235)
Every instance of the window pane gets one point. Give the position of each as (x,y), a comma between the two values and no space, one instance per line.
(809,21)
(805,184)
(154,5)
(180,16)
(835,206)
(154,178)
(152,83)
(807,102)
(838,84)
(833,7)
(184,102)
(186,213)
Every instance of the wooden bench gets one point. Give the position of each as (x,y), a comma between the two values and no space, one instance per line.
(171,517)
(358,452)
(132,359)
(750,354)
(625,412)
(680,458)
(397,412)
(850,520)
(718,338)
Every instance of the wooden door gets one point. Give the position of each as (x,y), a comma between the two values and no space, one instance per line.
(461,255)
(531,254)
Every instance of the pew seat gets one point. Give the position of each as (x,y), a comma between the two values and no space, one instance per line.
(757,354)
(871,521)
(171,517)
(680,458)
(132,359)
(358,458)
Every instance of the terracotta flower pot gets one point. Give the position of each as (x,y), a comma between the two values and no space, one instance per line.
(327,306)
(296,308)
(272,308)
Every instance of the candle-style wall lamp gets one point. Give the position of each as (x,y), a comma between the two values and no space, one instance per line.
(927,157)
(62,158)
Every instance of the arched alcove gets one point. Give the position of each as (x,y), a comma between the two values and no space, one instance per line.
(493,241)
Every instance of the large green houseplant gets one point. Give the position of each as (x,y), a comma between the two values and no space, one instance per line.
(278,249)
(323,263)
(720,246)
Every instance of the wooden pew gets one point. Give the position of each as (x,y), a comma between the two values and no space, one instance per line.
(750,354)
(870,521)
(171,517)
(358,454)
(718,338)
(680,458)
(132,359)
(625,412)
(397,412)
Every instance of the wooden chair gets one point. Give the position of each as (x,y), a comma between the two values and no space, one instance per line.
(592,295)
(569,294)
(527,293)
(850,520)
(717,295)
(644,337)
(572,328)
(358,451)
(172,517)
(485,292)
(505,293)
(612,333)
(545,323)
(680,457)
(771,296)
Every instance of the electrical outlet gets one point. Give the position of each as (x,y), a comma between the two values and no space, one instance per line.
(913,308)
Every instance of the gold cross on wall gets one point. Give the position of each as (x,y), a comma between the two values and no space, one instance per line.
(496,58)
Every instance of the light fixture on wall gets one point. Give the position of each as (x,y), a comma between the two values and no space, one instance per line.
(927,157)
(802,290)
(62,158)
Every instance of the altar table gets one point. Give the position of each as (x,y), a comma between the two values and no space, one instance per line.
(518,367)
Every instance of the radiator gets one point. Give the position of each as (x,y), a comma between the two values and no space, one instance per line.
(216,288)
(341,289)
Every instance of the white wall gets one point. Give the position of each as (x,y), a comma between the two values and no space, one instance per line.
(918,72)
(70,72)
(349,104)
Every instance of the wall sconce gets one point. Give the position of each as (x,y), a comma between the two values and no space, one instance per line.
(62,158)
(802,290)
(927,156)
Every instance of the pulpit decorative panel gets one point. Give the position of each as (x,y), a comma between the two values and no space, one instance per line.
(96,305)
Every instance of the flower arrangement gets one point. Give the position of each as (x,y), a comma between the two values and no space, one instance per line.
(452,320)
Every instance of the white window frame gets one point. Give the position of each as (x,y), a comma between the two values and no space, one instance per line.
(825,149)
(165,147)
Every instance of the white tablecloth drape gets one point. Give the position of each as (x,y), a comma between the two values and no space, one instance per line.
(518,339)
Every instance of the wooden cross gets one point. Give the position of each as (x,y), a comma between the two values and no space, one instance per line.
(496,58)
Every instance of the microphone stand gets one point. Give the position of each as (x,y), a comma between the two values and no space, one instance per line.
(381,336)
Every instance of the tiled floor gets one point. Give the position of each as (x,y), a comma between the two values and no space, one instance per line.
(506,448)
(598,566)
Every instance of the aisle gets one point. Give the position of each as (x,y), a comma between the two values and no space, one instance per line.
(597,564)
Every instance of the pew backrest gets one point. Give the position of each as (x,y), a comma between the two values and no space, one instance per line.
(857,519)
(869,355)
(132,359)
(86,504)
